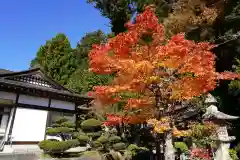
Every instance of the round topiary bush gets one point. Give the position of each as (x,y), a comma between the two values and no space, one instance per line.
(54,146)
(233,154)
(83,139)
(73,143)
(96,144)
(115,139)
(68,124)
(61,120)
(132,147)
(95,135)
(119,146)
(58,130)
(90,124)
(76,134)
(102,139)
(182,146)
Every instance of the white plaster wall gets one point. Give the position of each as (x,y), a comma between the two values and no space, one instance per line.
(62,104)
(25,99)
(8,95)
(29,125)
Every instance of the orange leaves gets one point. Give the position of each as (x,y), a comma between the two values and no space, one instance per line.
(180,133)
(228,75)
(160,126)
(142,59)
(105,94)
(188,87)
(134,103)
(113,120)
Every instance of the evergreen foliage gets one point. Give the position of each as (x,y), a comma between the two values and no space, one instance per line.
(69,66)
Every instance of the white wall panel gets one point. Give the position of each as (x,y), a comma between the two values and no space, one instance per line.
(29,125)
(62,104)
(8,95)
(25,99)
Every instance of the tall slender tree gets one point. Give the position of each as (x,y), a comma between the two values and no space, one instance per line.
(56,58)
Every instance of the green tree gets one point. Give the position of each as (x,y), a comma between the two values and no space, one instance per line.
(120,12)
(117,11)
(85,44)
(70,66)
(83,80)
(56,58)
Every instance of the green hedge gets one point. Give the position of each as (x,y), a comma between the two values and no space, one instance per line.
(54,131)
(73,143)
(96,144)
(95,134)
(83,139)
(102,139)
(68,124)
(182,146)
(61,120)
(119,146)
(90,123)
(132,147)
(54,146)
(233,154)
(114,139)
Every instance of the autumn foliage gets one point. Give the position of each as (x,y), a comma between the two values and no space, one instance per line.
(153,72)
(192,13)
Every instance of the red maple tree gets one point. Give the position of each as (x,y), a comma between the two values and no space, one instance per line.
(156,72)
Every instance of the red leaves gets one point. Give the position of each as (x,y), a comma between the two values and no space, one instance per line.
(200,153)
(113,120)
(182,68)
(228,75)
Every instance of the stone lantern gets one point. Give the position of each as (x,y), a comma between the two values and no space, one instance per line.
(219,118)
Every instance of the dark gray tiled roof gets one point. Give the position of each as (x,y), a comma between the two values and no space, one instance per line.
(3,71)
(7,78)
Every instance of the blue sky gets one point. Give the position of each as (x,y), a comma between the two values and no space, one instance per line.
(27,24)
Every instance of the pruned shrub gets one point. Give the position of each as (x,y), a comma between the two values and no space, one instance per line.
(102,139)
(119,146)
(83,139)
(114,139)
(61,120)
(73,142)
(96,144)
(68,124)
(95,134)
(58,130)
(233,154)
(54,146)
(182,146)
(90,124)
(76,134)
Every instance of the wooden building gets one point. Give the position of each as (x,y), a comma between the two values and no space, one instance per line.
(29,102)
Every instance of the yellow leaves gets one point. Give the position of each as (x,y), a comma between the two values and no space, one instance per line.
(190,13)
(180,133)
(152,79)
(160,126)
(154,67)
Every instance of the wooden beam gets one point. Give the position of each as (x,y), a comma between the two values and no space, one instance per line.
(14,114)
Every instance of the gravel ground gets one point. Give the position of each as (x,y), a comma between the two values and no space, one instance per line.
(19,157)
